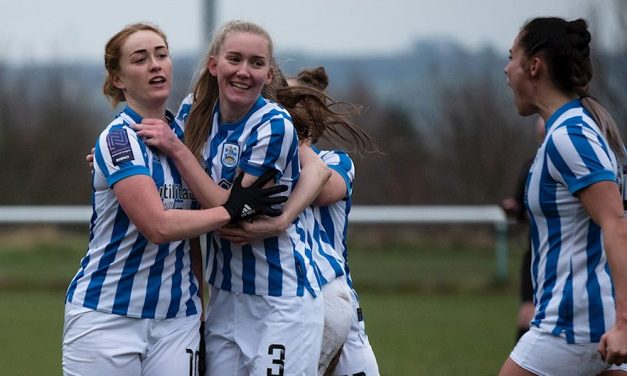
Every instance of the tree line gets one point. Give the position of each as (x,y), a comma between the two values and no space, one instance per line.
(468,147)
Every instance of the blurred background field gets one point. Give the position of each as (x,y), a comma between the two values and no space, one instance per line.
(431,302)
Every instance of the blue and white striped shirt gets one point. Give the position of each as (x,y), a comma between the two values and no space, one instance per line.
(264,139)
(124,273)
(573,292)
(331,222)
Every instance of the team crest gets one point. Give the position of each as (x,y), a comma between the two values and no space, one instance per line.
(230,155)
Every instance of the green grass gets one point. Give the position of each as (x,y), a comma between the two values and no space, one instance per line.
(32,325)
(442,334)
(429,309)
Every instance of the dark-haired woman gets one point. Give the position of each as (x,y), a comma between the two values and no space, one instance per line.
(579,234)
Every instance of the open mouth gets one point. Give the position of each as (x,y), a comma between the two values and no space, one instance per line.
(240,86)
(157,80)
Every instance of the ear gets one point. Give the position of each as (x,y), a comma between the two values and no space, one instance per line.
(269,76)
(535,66)
(118,82)
(212,65)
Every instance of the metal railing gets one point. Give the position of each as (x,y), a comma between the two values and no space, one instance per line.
(474,214)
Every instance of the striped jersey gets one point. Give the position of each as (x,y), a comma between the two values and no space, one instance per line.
(573,292)
(264,139)
(124,273)
(330,223)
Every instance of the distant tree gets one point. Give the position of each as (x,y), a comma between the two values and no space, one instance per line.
(46,135)
(398,175)
(611,67)
(481,143)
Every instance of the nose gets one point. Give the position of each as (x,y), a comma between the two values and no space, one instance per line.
(154,64)
(243,69)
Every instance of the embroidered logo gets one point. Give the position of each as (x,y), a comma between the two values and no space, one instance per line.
(230,155)
(119,147)
(247,211)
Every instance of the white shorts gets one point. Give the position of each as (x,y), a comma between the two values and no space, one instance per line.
(97,343)
(263,335)
(546,354)
(338,315)
(357,357)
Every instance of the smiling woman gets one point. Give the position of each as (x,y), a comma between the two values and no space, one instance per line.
(140,269)
(231,127)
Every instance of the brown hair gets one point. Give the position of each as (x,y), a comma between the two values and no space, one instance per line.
(205,88)
(112,57)
(322,116)
(565,45)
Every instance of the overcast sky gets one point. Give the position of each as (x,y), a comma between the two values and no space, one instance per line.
(77,30)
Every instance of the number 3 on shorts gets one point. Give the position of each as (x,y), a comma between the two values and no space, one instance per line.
(278,353)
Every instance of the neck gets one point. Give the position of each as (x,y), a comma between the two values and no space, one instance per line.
(233,113)
(147,110)
(230,115)
(552,100)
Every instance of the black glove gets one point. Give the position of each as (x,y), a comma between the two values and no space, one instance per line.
(244,202)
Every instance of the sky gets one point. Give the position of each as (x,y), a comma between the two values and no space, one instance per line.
(77,30)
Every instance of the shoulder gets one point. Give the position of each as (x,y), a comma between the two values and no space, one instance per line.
(185,108)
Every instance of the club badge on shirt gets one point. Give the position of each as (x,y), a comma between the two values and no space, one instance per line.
(119,146)
(230,155)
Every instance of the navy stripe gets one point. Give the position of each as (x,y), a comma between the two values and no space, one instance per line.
(175,291)
(79,275)
(193,291)
(275,273)
(321,238)
(566,310)
(125,285)
(327,224)
(549,208)
(120,226)
(248,269)
(154,282)
(595,302)
(213,248)
(226,264)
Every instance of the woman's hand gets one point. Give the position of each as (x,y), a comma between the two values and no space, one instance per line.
(157,133)
(89,158)
(252,231)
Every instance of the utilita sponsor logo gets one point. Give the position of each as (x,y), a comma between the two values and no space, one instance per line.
(175,192)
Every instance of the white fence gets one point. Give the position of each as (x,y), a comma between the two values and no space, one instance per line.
(490,214)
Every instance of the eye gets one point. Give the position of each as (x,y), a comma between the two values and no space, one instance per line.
(139,60)
(259,63)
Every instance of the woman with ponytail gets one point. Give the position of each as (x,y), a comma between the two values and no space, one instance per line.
(579,233)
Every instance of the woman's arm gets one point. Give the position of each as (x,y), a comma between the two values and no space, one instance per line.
(159,134)
(603,203)
(140,200)
(314,176)
(138,196)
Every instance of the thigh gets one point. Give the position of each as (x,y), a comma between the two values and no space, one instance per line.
(338,317)
(545,354)
(280,335)
(97,343)
(357,357)
(222,355)
(173,347)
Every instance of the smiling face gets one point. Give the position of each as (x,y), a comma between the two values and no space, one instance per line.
(145,70)
(519,79)
(242,68)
